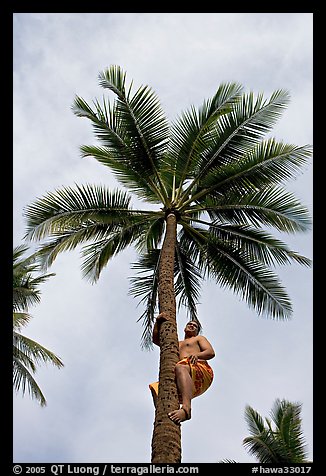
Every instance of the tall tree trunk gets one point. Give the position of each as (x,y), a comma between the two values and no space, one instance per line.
(166,440)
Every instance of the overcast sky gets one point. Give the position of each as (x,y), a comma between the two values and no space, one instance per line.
(99,406)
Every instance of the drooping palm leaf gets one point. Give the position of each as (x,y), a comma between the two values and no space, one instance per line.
(23,380)
(145,286)
(254,242)
(272,207)
(26,292)
(187,283)
(234,269)
(27,354)
(20,319)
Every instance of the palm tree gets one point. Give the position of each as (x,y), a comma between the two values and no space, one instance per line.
(212,182)
(283,444)
(27,353)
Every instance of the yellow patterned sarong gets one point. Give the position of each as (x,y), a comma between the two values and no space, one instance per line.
(201,373)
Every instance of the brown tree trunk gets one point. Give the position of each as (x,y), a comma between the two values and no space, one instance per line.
(166,440)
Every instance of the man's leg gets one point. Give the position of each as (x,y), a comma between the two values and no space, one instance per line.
(185,387)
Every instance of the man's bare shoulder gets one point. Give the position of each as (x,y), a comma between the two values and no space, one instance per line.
(203,340)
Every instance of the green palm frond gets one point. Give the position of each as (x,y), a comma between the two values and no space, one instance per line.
(254,421)
(70,208)
(153,233)
(145,286)
(273,207)
(234,269)
(97,254)
(268,163)
(34,351)
(140,114)
(91,213)
(23,379)
(264,448)
(117,150)
(27,354)
(126,171)
(187,282)
(287,418)
(237,132)
(254,242)
(134,131)
(26,292)
(20,319)
(190,134)
(283,444)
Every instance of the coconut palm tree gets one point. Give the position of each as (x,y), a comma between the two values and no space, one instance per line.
(27,353)
(205,188)
(283,444)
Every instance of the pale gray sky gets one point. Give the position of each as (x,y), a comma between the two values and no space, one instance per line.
(99,406)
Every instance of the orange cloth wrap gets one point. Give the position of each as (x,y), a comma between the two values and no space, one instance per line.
(201,373)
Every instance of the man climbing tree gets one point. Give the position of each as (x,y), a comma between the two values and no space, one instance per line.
(193,374)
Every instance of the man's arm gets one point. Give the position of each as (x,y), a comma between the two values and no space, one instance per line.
(206,351)
(156,329)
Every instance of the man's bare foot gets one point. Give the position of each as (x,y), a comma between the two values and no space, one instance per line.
(180,415)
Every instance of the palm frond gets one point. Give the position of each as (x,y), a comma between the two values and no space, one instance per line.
(23,379)
(142,120)
(237,132)
(20,319)
(117,149)
(234,269)
(187,282)
(255,242)
(26,292)
(254,421)
(268,163)
(264,447)
(145,286)
(190,133)
(127,171)
(287,418)
(97,254)
(69,208)
(273,207)
(34,351)
(153,233)
(283,444)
